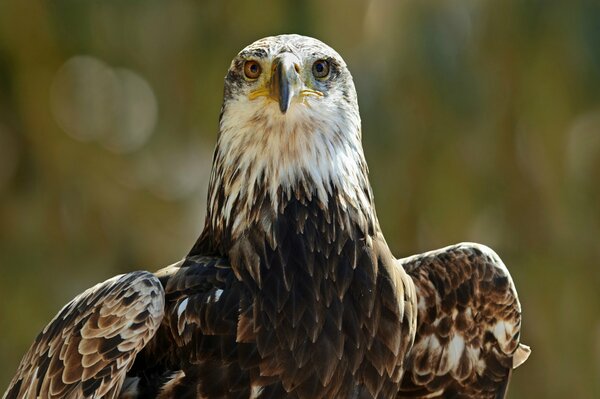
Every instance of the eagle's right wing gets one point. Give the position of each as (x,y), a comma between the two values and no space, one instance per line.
(87,349)
(468,328)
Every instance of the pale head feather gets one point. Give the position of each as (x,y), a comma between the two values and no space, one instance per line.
(313,148)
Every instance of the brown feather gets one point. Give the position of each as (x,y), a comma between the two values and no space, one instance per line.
(468,324)
(78,355)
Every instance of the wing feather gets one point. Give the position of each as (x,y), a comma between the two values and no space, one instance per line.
(469,320)
(86,350)
(196,352)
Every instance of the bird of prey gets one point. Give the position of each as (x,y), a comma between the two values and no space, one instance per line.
(291,291)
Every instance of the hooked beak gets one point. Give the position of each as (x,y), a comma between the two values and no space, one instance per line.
(285,82)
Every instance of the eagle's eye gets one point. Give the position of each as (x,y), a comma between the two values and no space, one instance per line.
(320,69)
(252,69)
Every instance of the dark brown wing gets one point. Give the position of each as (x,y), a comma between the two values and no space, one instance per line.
(88,347)
(199,350)
(468,327)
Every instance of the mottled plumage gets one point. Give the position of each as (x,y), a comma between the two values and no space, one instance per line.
(89,346)
(469,324)
(291,290)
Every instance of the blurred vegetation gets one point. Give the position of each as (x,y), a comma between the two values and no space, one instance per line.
(481,122)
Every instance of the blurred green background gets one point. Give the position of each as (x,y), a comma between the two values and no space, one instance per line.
(481,122)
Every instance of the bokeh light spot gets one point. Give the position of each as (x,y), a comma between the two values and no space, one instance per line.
(92,101)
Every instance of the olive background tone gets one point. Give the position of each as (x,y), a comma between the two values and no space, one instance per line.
(481,122)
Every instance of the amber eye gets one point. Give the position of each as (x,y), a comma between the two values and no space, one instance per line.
(320,69)
(252,69)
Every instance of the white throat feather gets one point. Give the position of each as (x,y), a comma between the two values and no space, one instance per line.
(312,150)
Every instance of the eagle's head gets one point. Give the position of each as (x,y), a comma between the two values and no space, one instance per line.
(289,128)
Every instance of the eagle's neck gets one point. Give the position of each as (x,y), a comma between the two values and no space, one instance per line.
(301,160)
(268,214)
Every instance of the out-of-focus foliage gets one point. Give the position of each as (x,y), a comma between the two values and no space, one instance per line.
(481,122)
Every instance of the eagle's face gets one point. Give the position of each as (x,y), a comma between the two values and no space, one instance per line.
(289,126)
(288,76)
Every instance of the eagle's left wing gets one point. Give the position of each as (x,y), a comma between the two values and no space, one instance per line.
(86,350)
(468,325)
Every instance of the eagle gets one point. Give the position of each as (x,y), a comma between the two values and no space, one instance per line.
(291,290)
